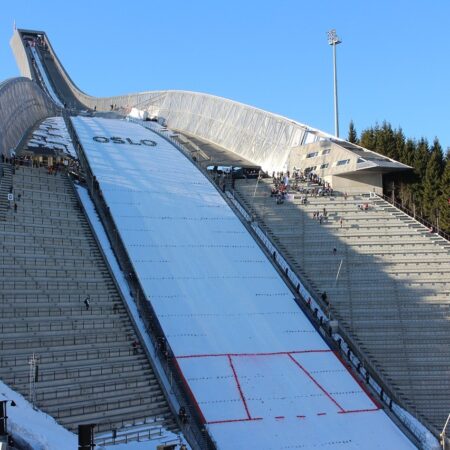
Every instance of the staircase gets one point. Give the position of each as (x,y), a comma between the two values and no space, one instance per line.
(5,188)
(88,370)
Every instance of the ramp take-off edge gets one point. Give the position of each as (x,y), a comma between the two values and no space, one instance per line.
(261,375)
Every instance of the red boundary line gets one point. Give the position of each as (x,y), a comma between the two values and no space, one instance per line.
(360,383)
(213,422)
(239,387)
(289,354)
(350,411)
(315,382)
(183,378)
(211,355)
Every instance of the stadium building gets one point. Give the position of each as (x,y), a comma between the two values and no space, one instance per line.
(190,271)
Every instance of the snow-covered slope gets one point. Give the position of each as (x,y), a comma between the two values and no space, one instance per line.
(33,428)
(262,376)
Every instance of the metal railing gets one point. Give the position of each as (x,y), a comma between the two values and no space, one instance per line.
(433,227)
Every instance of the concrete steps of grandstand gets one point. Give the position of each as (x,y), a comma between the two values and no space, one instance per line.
(75,376)
(49,263)
(393,291)
(5,188)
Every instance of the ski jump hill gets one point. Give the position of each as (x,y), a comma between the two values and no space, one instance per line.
(246,355)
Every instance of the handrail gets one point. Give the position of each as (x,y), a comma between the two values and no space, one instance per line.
(432,227)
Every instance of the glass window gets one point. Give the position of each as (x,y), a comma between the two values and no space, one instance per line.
(326,151)
(342,162)
(312,154)
(324,166)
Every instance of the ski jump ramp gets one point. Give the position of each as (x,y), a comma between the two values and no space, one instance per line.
(261,375)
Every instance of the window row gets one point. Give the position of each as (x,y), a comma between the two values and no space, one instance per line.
(314,154)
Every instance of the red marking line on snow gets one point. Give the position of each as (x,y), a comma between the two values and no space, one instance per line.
(191,394)
(351,411)
(213,355)
(315,382)
(289,354)
(360,383)
(239,387)
(214,422)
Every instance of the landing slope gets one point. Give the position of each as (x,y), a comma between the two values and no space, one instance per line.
(261,375)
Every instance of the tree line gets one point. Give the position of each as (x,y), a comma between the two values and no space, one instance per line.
(425,189)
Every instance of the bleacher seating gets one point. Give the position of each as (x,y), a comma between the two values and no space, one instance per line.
(49,263)
(391,293)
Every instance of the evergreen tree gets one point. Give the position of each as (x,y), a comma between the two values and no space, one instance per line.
(432,182)
(386,142)
(408,179)
(369,138)
(408,154)
(352,134)
(399,138)
(444,200)
(426,189)
(436,148)
(421,158)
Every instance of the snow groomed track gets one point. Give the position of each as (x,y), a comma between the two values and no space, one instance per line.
(262,377)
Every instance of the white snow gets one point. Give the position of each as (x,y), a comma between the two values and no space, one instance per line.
(136,113)
(262,376)
(45,79)
(123,286)
(36,430)
(33,427)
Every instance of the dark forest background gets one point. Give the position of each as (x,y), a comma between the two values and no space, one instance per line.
(425,190)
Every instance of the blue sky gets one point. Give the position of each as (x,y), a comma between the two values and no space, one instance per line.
(393,63)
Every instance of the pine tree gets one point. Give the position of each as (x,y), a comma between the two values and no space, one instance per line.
(386,141)
(409,150)
(352,134)
(432,182)
(408,179)
(399,138)
(444,200)
(436,148)
(421,157)
(369,138)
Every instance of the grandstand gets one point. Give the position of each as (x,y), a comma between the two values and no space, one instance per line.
(227,336)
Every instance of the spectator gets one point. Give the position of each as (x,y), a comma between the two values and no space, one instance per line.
(87,302)
(182,415)
(324,297)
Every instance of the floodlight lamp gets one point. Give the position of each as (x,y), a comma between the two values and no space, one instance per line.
(333,38)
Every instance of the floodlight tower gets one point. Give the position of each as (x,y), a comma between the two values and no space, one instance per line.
(333,39)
